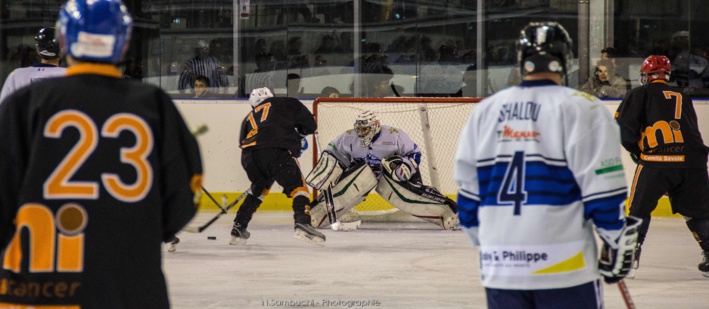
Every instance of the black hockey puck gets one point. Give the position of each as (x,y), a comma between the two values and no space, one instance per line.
(212,237)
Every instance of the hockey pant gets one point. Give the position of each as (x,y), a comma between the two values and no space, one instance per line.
(264,167)
(418,200)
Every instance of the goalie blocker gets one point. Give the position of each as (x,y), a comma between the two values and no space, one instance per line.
(353,185)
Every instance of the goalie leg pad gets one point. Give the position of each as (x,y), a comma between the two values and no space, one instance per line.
(325,172)
(353,186)
(420,201)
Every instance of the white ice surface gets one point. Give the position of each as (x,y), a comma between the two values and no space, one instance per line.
(388,268)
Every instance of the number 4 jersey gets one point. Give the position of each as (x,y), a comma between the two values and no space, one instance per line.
(538,166)
(96,172)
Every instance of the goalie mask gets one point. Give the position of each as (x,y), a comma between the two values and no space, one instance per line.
(367,126)
(258,95)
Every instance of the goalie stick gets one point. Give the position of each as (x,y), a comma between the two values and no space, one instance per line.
(626,295)
(223,210)
(329,204)
(331,213)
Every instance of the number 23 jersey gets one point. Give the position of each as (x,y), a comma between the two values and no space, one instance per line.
(96,172)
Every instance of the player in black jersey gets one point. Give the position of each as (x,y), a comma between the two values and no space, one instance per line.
(659,129)
(272,138)
(97,171)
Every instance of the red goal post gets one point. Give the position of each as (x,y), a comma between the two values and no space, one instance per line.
(433,123)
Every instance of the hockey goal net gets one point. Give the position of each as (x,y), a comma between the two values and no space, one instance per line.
(433,123)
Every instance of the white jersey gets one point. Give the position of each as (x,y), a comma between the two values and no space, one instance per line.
(388,142)
(538,166)
(24,76)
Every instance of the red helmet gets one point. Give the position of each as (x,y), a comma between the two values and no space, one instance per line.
(655,67)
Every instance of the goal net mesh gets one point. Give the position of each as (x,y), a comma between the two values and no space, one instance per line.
(433,123)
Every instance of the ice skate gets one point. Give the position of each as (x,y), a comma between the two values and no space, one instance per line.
(704,265)
(306,232)
(239,235)
(173,244)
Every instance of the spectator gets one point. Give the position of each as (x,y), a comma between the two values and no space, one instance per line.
(327,45)
(293,86)
(444,78)
(621,67)
(377,81)
(470,78)
(608,53)
(203,64)
(605,83)
(263,75)
(201,87)
(329,92)
(133,69)
(320,61)
(688,63)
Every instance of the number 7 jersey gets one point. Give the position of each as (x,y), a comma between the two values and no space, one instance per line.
(538,166)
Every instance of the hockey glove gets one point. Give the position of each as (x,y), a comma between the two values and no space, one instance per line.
(616,259)
(399,168)
(303,146)
(635,158)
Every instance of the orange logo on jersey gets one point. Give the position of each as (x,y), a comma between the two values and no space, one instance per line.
(510,133)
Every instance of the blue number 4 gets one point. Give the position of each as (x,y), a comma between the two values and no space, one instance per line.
(512,190)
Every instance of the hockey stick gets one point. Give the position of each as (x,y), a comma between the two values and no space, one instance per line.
(626,295)
(212,198)
(199,229)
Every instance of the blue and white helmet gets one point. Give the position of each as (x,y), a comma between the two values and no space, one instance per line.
(95,30)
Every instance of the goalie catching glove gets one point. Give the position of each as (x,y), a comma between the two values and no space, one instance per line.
(616,259)
(325,173)
(400,167)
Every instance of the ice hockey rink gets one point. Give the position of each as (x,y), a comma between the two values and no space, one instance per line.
(388,266)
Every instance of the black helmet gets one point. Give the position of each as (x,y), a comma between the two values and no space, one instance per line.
(47,45)
(544,47)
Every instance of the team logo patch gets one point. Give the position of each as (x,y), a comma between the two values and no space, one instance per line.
(529,66)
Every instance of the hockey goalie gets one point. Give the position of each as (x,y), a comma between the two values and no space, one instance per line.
(377,157)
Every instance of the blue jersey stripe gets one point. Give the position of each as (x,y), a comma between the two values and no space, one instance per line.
(544,184)
(467,211)
(605,211)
